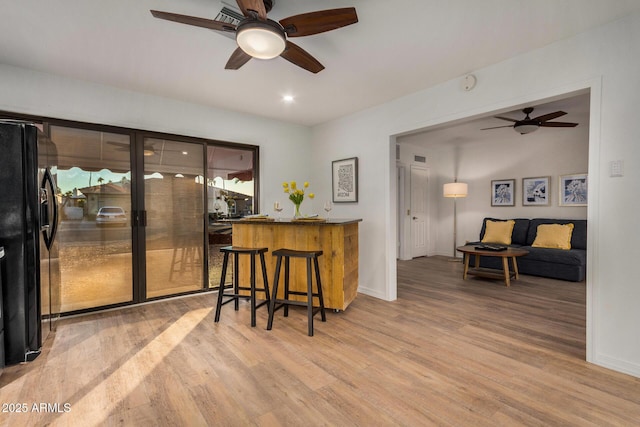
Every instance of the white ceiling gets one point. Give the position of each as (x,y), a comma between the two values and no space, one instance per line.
(397,47)
(466,131)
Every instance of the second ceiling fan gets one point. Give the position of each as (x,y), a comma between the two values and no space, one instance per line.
(528,125)
(260,37)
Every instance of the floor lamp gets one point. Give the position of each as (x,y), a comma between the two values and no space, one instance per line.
(455,189)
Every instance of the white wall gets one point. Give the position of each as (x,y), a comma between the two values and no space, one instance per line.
(31,92)
(604,60)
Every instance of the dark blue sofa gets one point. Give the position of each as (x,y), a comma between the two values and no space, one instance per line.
(561,264)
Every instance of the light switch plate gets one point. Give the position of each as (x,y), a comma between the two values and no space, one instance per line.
(616,168)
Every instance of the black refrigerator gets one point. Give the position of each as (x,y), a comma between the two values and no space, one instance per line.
(28,224)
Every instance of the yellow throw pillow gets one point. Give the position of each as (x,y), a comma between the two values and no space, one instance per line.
(498,232)
(555,236)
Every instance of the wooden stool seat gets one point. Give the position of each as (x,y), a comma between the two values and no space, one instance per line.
(235,295)
(276,303)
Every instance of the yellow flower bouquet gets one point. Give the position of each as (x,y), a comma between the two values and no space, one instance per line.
(296,195)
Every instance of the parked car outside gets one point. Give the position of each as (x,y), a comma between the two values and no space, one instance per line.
(111,215)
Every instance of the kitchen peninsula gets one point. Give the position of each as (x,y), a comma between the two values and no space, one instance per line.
(336,238)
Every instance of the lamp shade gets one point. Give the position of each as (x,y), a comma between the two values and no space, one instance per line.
(455,189)
(262,39)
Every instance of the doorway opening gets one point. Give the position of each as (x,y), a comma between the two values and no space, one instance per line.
(457,150)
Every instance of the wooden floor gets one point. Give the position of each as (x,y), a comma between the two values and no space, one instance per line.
(448,353)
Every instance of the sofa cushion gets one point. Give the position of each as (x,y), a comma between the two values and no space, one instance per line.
(557,256)
(519,233)
(554,236)
(553,270)
(498,232)
(578,236)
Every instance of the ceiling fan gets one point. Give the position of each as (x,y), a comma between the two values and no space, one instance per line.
(528,125)
(260,37)
(148,149)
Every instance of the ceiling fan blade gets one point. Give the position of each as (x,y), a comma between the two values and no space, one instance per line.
(506,118)
(300,57)
(257,6)
(307,24)
(238,59)
(497,127)
(194,20)
(549,116)
(558,124)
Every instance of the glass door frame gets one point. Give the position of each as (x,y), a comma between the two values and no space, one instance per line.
(140,292)
(130,133)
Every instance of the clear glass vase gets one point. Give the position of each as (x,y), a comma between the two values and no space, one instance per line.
(296,212)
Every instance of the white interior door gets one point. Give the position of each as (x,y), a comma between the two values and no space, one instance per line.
(419,217)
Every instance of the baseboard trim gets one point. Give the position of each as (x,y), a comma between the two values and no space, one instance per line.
(617,365)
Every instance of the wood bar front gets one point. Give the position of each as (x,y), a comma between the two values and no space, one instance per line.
(336,238)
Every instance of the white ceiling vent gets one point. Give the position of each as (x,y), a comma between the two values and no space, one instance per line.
(230,15)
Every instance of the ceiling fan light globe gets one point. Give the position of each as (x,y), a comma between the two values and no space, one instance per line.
(261,40)
(523,129)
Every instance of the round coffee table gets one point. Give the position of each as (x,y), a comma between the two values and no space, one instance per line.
(506,255)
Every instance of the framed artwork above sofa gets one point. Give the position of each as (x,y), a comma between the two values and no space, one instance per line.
(503,192)
(536,191)
(573,190)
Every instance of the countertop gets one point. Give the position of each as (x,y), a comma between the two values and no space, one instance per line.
(289,221)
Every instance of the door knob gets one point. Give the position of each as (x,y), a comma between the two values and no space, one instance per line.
(415,217)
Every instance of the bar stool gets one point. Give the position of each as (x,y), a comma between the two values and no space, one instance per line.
(286,302)
(235,296)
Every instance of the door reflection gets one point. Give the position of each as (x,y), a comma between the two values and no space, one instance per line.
(230,194)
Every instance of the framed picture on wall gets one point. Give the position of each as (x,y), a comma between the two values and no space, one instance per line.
(536,191)
(573,190)
(503,192)
(344,181)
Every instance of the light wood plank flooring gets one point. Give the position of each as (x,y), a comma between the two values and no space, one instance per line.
(448,353)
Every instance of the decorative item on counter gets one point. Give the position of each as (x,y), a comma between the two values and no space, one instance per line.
(278,208)
(327,207)
(296,195)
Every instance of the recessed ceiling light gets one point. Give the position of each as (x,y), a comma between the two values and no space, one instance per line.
(287,98)
(185,153)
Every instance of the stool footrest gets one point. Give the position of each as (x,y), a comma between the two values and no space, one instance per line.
(247,288)
(282,303)
(233,298)
(301,293)
(291,302)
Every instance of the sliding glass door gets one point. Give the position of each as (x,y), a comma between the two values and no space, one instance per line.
(143,215)
(174,189)
(94,232)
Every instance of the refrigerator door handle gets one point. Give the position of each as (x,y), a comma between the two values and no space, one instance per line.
(46,197)
(44,209)
(55,214)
